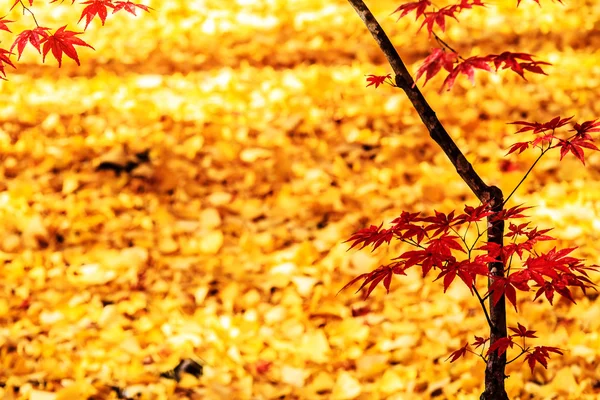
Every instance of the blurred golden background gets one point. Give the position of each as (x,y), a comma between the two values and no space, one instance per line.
(248,149)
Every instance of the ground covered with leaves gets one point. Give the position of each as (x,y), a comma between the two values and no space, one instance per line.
(172,212)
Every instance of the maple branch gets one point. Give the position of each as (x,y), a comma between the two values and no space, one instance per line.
(523,351)
(525,176)
(482,302)
(480,355)
(446,45)
(436,130)
(25,8)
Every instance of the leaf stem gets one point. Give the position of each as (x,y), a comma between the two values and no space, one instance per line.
(25,8)
(524,177)
(523,351)
(443,43)
(482,302)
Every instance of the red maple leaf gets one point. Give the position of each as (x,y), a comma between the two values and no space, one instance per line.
(63,41)
(521,146)
(129,7)
(479,341)
(503,286)
(441,222)
(541,354)
(372,235)
(467,67)
(466,270)
(419,6)
(511,60)
(511,213)
(445,244)
(3,23)
(517,230)
(456,354)
(4,59)
(377,80)
(33,36)
(523,332)
(383,273)
(586,127)
(474,214)
(439,17)
(501,345)
(537,127)
(434,62)
(466,4)
(575,146)
(95,8)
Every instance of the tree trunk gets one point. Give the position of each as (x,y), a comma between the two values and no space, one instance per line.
(494,372)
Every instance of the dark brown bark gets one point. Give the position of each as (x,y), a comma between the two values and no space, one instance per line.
(494,370)
(494,373)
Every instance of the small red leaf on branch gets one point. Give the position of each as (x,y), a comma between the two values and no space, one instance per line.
(438,59)
(467,67)
(383,273)
(419,6)
(455,355)
(537,127)
(33,36)
(511,60)
(3,23)
(377,80)
(5,60)
(129,7)
(586,127)
(575,146)
(95,8)
(439,17)
(479,341)
(520,146)
(503,286)
(372,235)
(474,214)
(522,331)
(63,41)
(501,345)
(541,354)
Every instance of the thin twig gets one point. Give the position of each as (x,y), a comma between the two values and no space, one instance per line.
(25,8)
(482,302)
(524,177)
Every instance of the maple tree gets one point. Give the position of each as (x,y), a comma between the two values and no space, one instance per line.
(61,41)
(452,245)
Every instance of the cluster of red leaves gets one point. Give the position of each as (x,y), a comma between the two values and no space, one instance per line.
(62,41)
(441,58)
(379,80)
(439,245)
(438,17)
(537,354)
(448,59)
(435,17)
(545,137)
